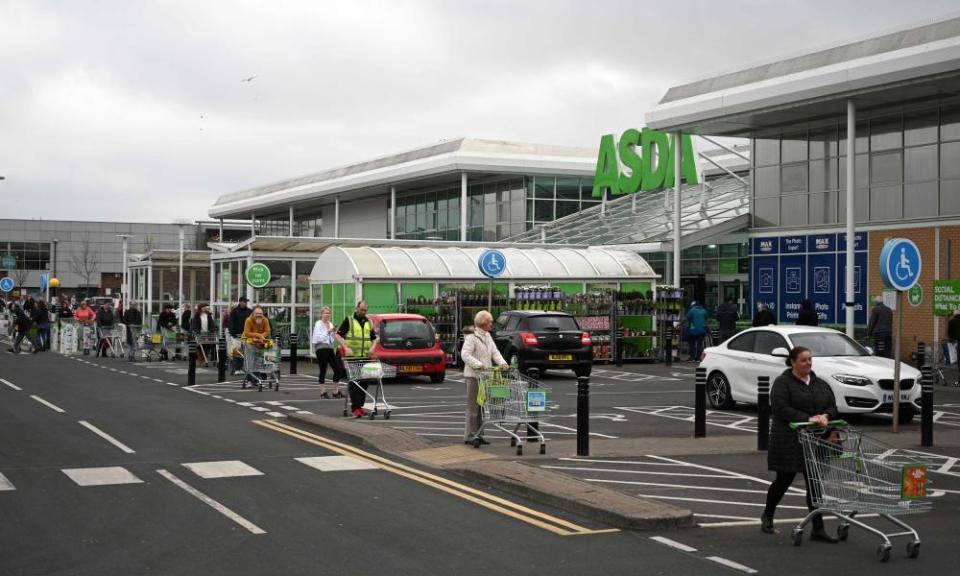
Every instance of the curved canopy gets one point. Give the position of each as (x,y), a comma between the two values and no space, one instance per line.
(346,264)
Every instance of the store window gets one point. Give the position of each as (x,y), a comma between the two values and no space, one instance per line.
(28,255)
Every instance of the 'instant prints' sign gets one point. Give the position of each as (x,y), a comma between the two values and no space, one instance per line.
(536,401)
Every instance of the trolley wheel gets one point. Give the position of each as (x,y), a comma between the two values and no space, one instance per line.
(883,552)
(519,449)
(843,531)
(797,536)
(386,415)
(476,442)
(543,448)
(913,548)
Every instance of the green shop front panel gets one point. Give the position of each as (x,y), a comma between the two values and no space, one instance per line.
(422,291)
(569,288)
(381,297)
(641,287)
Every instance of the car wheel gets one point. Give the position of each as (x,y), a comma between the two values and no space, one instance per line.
(718,391)
(438,377)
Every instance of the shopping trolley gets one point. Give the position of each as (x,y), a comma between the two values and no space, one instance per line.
(850,473)
(507,397)
(261,364)
(143,346)
(171,343)
(115,337)
(207,348)
(361,372)
(87,340)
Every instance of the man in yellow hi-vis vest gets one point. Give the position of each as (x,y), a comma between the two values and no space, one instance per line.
(358,336)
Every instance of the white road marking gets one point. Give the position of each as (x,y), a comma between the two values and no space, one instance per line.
(728,502)
(158,380)
(53,407)
(336,463)
(249,526)
(673,544)
(231,400)
(732,564)
(728,472)
(291,408)
(106,476)
(304,412)
(620,471)
(756,521)
(172,384)
(247,404)
(222,469)
(6,484)
(12,385)
(277,414)
(274,402)
(259,408)
(683,486)
(107,437)
(947,465)
(145,377)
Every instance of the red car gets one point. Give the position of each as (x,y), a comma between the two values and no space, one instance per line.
(409,342)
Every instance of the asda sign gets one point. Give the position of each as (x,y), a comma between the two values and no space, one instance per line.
(642,160)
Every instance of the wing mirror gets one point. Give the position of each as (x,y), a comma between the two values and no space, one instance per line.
(780,352)
(870,351)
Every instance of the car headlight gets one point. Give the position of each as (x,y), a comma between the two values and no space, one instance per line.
(852,380)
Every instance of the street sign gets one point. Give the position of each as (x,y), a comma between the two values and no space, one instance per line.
(915,295)
(258,275)
(946,297)
(492,263)
(6,284)
(9,262)
(900,264)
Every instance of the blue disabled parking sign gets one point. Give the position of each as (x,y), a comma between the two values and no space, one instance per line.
(6,284)
(900,264)
(492,263)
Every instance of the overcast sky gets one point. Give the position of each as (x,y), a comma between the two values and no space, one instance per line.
(138,111)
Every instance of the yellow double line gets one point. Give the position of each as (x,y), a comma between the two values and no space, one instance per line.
(539,519)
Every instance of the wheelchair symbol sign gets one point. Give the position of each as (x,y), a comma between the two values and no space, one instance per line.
(492,263)
(900,264)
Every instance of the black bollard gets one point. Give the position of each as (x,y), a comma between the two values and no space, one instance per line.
(668,345)
(700,404)
(926,407)
(763,412)
(921,354)
(293,352)
(221,359)
(583,416)
(191,362)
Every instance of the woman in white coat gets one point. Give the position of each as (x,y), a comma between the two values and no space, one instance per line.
(479,353)
(326,341)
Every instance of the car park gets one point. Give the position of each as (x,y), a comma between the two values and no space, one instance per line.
(409,342)
(861,381)
(541,340)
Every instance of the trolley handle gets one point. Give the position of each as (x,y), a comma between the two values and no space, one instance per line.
(795,425)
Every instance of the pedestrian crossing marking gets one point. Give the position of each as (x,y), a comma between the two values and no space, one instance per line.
(336,463)
(222,469)
(104,476)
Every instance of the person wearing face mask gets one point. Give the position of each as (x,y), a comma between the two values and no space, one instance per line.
(798,395)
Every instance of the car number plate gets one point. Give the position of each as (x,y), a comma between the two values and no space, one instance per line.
(410,368)
(560,357)
(889,397)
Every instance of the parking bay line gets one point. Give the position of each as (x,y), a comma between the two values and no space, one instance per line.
(12,385)
(106,437)
(249,526)
(49,405)
(513,510)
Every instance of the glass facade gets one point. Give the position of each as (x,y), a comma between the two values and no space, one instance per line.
(27,255)
(710,273)
(907,167)
(308,224)
(497,208)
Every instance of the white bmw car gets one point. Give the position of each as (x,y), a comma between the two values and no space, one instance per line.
(861,382)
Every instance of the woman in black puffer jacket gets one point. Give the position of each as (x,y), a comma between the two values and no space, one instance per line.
(797,396)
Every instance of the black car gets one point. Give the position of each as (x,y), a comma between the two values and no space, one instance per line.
(538,340)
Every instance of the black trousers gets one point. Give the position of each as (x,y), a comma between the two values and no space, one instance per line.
(358,393)
(328,357)
(779,487)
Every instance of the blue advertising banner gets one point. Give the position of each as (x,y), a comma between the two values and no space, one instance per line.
(822,243)
(821,280)
(792,290)
(787,269)
(765,246)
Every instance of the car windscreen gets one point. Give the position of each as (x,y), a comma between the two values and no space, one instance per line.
(396,333)
(828,344)
(554,323)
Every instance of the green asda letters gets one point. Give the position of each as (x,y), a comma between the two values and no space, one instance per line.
(640,173)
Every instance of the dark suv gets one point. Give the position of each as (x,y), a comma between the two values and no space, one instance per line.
(537,340)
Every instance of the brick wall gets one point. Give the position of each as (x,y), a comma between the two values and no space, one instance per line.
(917,322)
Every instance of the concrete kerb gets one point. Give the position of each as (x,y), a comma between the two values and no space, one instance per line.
(598,503)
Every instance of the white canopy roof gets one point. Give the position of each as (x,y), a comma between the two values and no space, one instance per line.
(350,263)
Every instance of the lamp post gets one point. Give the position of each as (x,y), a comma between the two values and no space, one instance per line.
(180,283)
(124,288)
(55,242)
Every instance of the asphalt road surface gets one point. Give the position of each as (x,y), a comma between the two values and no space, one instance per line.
(108,467)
